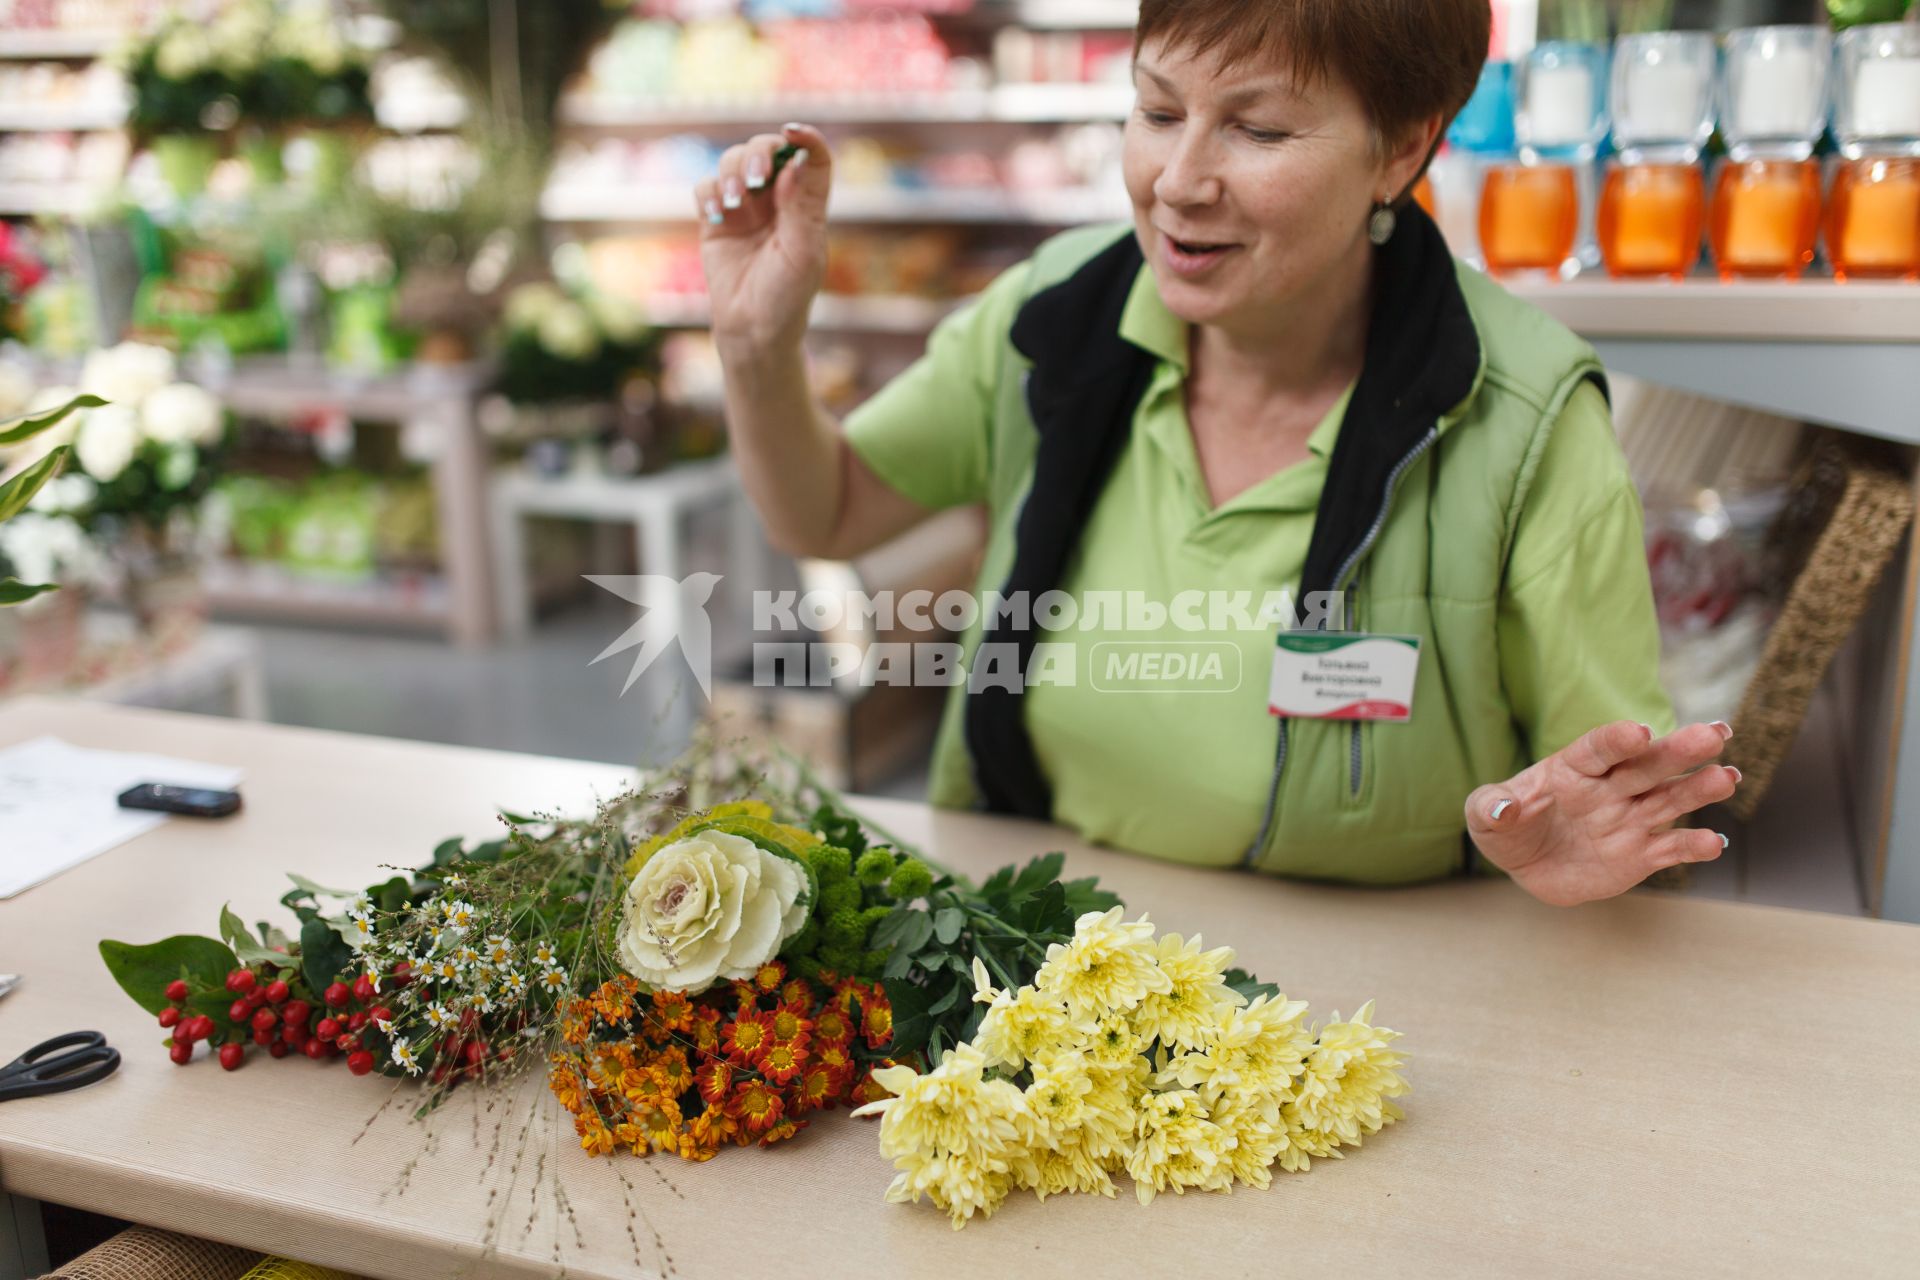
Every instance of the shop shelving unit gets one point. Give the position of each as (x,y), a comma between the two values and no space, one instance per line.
(1838,355)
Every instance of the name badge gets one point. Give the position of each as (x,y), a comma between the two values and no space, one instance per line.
(1343,675)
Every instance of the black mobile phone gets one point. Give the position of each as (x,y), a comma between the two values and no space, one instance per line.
(192,802)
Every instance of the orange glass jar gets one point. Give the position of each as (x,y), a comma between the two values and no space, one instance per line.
(1529,216)
(1873,218)
(1423,195)
(1650,218)
(1764,218)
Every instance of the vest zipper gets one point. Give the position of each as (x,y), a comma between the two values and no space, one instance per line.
(1340,580)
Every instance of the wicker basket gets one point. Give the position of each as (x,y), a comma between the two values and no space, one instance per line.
(1832,543)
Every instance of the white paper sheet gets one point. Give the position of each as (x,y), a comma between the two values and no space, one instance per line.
(57,804)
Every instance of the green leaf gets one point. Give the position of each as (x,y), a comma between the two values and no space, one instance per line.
(949,1000)
(144,972)
(393,895)
(888,932)
(899,964)
(1086,895)
(935,1043)
(318,890)
(27,426)
(1248,985)
(249,952)
(446,851)
(14,591)
(323,954)
(917,931)
(947,923)
(16,493)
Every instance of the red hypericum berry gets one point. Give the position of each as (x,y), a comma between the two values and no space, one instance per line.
(177,990)
(265,1020)
(439,1074)
(231,1056)
(337,995)
(257,998)
(233,981)
(452,1049)
(264,1037)
(200,1027)
(278,1049)
(379,1013)
(402,974)
(328,1028)
(348,1043)
(181,1053)
(244,981)
(238,1011)
(356,1022)
(363,989)
(169,1016)
(297,1012)
(315,1048)
(476,1052)
(360,1063)
(277,992)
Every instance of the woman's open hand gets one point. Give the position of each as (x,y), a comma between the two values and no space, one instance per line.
(764,243)
(1595,819)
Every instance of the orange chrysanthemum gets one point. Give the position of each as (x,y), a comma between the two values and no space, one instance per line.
(757,1106)
(746,1037)
(713,1127)
(868,1090)
(781,1132)
(632,1137)
(676,1076)
(834,1056)
(782,1060)
(613,1002)
(715,1081)
(706,1030)
(661,1121)
(831,1025)
(566,1084)
(797,991)
(673,1011)
(846,991)
(819,1088)
(768,977)
(745,996)
(877,1021)
(789,1024)
(639,1083)
(598,1139)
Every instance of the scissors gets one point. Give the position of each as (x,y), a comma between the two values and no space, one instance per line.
(65,1062)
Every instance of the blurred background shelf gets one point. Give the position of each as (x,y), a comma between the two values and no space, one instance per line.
(1002,104)
(674,205)
(24,43)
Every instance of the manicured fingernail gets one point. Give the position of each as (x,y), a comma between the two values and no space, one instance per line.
(799,159)
(1723,841)
(1500,807)
(1737,775)
(1726,730)
(1649,729)
(714,216)
(731,194)
(756,173)
(791,127)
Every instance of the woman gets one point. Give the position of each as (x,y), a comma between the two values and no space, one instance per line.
(1276,379)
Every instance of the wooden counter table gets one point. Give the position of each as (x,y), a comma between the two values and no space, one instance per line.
(1647,1086)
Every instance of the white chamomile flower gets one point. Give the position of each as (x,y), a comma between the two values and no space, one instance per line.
(467,958)
(445,970)
(455,881)
(512,983)
(480,1002)
(554,979)
(403,1054)
(360,906)
(543,955)
(438,1016)
(499,951)
(360,933)
(385,1025)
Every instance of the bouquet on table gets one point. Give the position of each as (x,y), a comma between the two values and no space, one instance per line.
(691,981)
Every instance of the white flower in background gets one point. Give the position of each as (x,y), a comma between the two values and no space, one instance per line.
(309,34)
(34,448)
(42,548)
(239,35)
(618,318)
(128,373)
(184,52)
(107,441)
(68,492)
(711,906)
(568,332)
(528,305)
(182,413)
(16,388)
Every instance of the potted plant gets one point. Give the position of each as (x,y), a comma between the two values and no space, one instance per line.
(184,98)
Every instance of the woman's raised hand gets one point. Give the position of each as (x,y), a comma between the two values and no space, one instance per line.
(763,240)
(1595,819)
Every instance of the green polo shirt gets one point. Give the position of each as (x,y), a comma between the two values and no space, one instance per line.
(1184,775)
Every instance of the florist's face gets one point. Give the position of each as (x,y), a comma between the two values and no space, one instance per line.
(1248,189)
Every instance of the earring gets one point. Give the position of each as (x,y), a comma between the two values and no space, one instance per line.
(1380,226)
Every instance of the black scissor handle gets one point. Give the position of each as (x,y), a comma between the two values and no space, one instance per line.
(70,1061)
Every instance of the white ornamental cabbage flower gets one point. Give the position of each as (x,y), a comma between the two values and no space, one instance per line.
(710,907)
(46,548)
(107,442)
(128,373)
(569,333)
(182,413)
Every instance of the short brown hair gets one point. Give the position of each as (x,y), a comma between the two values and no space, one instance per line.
(1407,59)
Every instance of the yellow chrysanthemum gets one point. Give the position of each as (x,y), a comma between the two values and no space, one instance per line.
(1255,1049)
(1259,1135)
(1018,1025)
(1109,966)
(952,1134)
(1057,1098)
(1176,1146)
(1179,1016)
(1351,1078)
